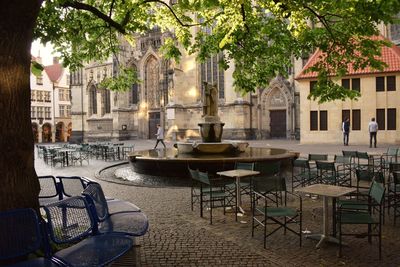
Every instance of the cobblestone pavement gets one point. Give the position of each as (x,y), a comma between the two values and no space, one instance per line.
(179,237)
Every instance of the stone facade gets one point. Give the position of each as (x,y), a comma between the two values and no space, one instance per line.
(171,94)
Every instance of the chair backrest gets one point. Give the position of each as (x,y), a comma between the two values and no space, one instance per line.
(69,220)
(326,166)
(364,175)
(342,159)
(71,185)
(203,177)
(362,155)
(379,177)
(194,174)
(377,191)
(49,187)
(396,177)
(268,168)
(300,163)
(94,194)
(394,166)
(391,151)
(244,166)
(316,157)
(351,154)
(271,184)
(20,233)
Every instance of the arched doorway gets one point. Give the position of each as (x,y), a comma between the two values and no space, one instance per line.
(46,133)
(60,132)
(35,131)
(276,115)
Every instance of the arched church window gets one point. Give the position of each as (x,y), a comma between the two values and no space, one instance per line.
(92,100)
(105,102)
(211,73)
(134,92)
(152,93)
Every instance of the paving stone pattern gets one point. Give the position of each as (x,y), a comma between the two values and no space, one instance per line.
(179,237)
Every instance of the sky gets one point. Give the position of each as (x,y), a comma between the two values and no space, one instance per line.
(45,52)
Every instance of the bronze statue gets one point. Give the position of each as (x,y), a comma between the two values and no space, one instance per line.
(210,100)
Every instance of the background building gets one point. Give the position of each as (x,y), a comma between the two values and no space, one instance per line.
(171,94)
(51,104)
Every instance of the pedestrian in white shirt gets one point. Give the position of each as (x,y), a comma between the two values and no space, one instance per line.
(373,129)
(160,136)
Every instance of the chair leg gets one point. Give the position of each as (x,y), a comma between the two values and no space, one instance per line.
(340,237)
(211,208)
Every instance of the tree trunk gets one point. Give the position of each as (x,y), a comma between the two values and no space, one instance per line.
(19,186)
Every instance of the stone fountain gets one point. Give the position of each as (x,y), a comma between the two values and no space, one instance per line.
(211,129)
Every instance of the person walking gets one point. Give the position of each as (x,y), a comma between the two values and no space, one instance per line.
(346,131)
(160,136)
(373,129)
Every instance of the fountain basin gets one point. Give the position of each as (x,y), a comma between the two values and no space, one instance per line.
(226,147)
(169,163)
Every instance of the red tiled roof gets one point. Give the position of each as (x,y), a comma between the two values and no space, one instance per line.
(390,55)
(54,71)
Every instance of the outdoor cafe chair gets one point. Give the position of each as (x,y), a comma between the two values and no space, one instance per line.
(268,172)
(49,190)
(300,173)
(21,235)
(71,223)
(326,172)
(213,194)
(132,221)
(72,185)
(390,156)
(343,170)
(281,215)
(364,217)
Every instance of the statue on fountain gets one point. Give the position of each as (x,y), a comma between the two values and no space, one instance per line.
(210,102)
(211,127)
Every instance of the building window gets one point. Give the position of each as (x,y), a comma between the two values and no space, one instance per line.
(92,100)
(134,94)
(33,95)
(39,95)
(380,118)
(391,119)
(211,73)
(356,120)
(380,84)
(67,94)
(33,112)
(313,120)
(47,96)
(312,86)
(47,113)
(40,112)
(355,84)
(391,83)
(323,120)
(346,83)
(62,110)
(39,80)
(105,102)
(68,111)
(345,114)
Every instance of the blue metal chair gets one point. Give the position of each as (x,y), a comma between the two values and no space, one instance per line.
(49,190)
(70,221)
(21,235)
(72,185)
(130,221)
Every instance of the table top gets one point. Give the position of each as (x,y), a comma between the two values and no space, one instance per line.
(238,173)
(326,190)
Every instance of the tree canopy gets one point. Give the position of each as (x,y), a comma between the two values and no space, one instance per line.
(259,37)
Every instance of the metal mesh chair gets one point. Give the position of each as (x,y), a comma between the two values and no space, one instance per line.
(21,235)
(131,222)
(69,222)
(72,185)
(49,190)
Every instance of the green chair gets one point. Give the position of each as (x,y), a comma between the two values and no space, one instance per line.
(343,170)
(211,196)
(245,182)
(364,217)
(326,172)
(302,174)
(280,215)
